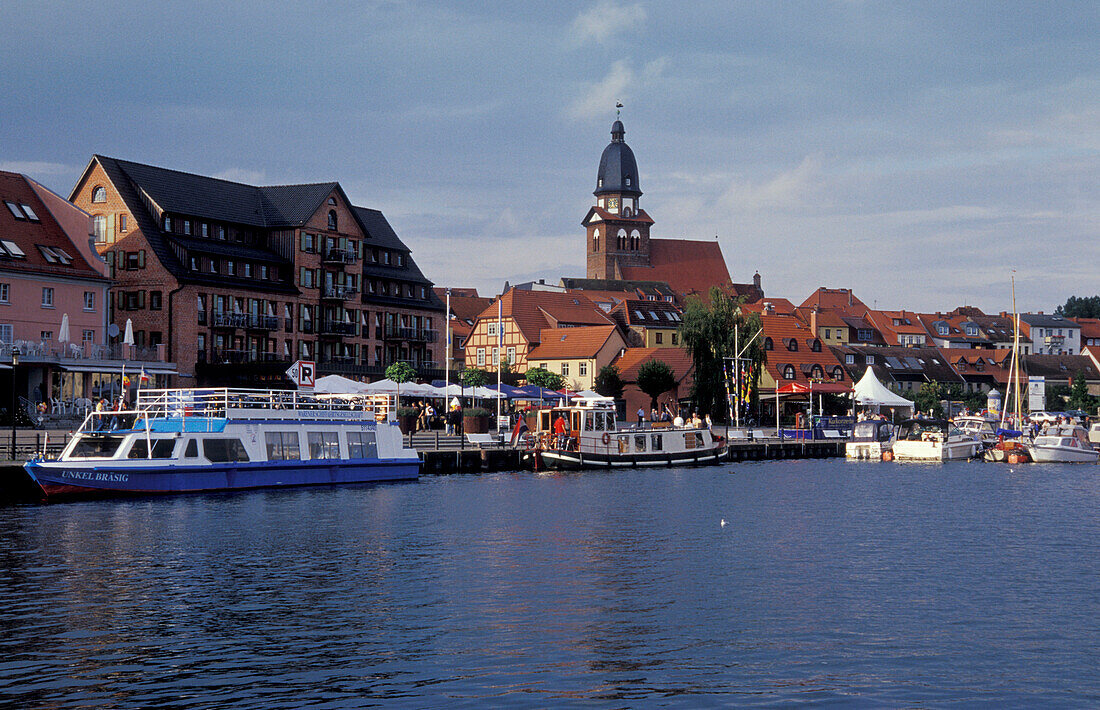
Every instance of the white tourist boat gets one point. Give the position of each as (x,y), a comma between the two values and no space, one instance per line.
(592,438)
(871,439)
(933,440)
(188,440)
(1066,443)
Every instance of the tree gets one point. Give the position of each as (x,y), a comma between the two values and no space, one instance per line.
(544,378)
(1079,397)
(400,372)
(1084,307)
(655,378)
(473,377)
(927,399)
(708,334)
(609,383)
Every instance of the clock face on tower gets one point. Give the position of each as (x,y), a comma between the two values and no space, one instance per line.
(613,204)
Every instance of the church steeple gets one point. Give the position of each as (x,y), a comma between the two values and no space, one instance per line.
(618,169)
(617,228)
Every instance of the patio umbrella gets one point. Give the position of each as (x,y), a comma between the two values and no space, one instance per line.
(128,337)
(63,334)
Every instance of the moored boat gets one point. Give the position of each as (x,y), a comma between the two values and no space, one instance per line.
(871,439)
(589,437)
(933,440)
(1067,443)
(191,440)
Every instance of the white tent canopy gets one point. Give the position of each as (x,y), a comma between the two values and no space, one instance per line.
(870,392)
(335,384)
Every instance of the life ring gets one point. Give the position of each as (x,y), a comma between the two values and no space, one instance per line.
(887,455)
(606,438)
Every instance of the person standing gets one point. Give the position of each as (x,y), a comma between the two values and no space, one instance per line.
(641,415)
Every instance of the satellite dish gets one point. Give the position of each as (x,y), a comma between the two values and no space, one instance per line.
(112,330)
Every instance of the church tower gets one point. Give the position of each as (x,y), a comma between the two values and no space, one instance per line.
(617,228)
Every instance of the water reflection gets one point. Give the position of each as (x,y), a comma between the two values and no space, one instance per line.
(832,582)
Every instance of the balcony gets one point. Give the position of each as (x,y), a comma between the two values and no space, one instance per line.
(338,292)
(337,327)
(236,357)
(420,335)
(335,255)
(245,320)
(340,361)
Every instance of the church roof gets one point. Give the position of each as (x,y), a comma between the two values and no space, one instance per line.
(618,168)
(688,267)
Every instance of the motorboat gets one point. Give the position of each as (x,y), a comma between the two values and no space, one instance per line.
(1065,443)
(1094,433)
(871,439)
(589,436)
(933,440)
(220,439)
(981,427)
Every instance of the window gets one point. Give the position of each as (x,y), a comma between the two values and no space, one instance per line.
(582,369)
(230,267)
(849,359)
(332,219)
(659,337)
(192,451)
(792,345)
(13,249)
(246,270)
(135,259)
(768,345)
(222,450)
(816,345)
(864,334)
(565,369)
(491,329)
(123,223)
(511,355)
(385,257)
(6,334)
(99,228)
(15,211)
(263,272)
(657,441)
(674,339)
(828,334)
(167,223)
(87,336)
(89,300)
(481,357)
(47,297)
(45,335)
(219,232)
(204,229)
(186,226)
(640,442)
(788,372)
(361,445)
(282,446)
(324,444)
(154,300)
(99,194)
(870,360)
(308,244)
(941,329)
(162,449)
(5,293)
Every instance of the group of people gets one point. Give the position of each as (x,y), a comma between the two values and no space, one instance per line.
(429,418)
(681,418)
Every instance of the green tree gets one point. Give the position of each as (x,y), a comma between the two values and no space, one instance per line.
(473,377)
(707,333)
(927,399)
(1083,307)
(400,372)
(609,382)
(655,378)
(544,378)
(1079,397)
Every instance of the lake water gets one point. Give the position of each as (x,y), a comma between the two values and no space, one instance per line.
(866,584)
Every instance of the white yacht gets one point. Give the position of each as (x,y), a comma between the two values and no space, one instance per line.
(933,440)
(1066,443)
(871,439)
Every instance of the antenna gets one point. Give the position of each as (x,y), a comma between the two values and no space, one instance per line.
(618,108)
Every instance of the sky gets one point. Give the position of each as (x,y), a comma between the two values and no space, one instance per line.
(920,153)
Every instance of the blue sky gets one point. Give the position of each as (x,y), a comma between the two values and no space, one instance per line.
(916,152)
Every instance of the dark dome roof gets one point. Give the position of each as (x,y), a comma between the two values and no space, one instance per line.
(618,169)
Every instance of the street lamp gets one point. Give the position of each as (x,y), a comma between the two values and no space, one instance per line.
(14,362)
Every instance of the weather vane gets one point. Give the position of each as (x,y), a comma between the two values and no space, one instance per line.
(618,109)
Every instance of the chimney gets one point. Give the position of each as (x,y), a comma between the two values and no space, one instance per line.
(542,281)
(813,321)
(768,308)
(849,296)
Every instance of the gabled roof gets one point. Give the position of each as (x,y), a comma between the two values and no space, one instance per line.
(613,287)
(841,299)
(648,314)
(1059,367)
(678,360)
(857,323)
(571,343)
(1090,327)
(1044,320)
(897,364)
(639,217)
(689,267)
(785,329)
(780,306)
(43,229)
(976,364)
(464,307)
(533,311)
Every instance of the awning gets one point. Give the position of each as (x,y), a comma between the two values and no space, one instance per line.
(816,388)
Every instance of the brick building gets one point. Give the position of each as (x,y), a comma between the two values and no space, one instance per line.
(237,281)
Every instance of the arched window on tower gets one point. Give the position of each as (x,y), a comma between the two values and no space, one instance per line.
(621,239)
(595,240)
(635,240)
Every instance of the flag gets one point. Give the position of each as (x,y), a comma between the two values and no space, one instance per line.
(143,379)
(519,430)
(125,380)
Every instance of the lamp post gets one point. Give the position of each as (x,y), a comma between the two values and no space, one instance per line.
(14,362)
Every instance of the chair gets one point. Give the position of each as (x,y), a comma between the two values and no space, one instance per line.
(481,440)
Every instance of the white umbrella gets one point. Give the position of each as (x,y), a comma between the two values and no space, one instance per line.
(336,384)
(128,338)
(486,393)
(63,334)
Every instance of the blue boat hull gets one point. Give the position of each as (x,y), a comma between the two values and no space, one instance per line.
(57,479)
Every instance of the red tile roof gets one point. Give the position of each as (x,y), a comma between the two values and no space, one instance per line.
(533,311)
(455,291)
(1090,327)
(841,299)
(570,343)
(689,267)
(639,216)
(677,359)
(782,329)
(28,234)
(781,305)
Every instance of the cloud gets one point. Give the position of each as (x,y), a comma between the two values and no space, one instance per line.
(248,177)
(601,22)
(784,191)
(37,167)
(618,85)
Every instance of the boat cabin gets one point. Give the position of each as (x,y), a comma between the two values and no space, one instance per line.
(926,430)
(872,430)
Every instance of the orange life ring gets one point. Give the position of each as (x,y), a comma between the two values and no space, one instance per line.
(606,438)
(887,455)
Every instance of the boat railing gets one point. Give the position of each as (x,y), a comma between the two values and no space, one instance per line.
(223,402)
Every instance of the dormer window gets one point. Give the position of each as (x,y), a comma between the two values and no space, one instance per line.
(599,182)
(99,194)
(792,345)
(167,223)
(941,329)
(815,346)
(332,201)
(628,182)
(332,219)
(768,345)
(788,372)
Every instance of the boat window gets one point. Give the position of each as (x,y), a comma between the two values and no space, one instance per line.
(698,439)
(192,451)
(324,445)
(162,449)
(588,423)
(610,421)
(657,442)
(97,447)
(221,450)
(639,442)
(361,445)
(599,421)
(282,446)
(622,441)
(576,421)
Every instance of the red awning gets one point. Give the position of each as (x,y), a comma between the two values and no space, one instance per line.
(794,388)
(816,388)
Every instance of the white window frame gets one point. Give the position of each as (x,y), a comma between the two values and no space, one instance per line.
(89,301)
(47,297)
